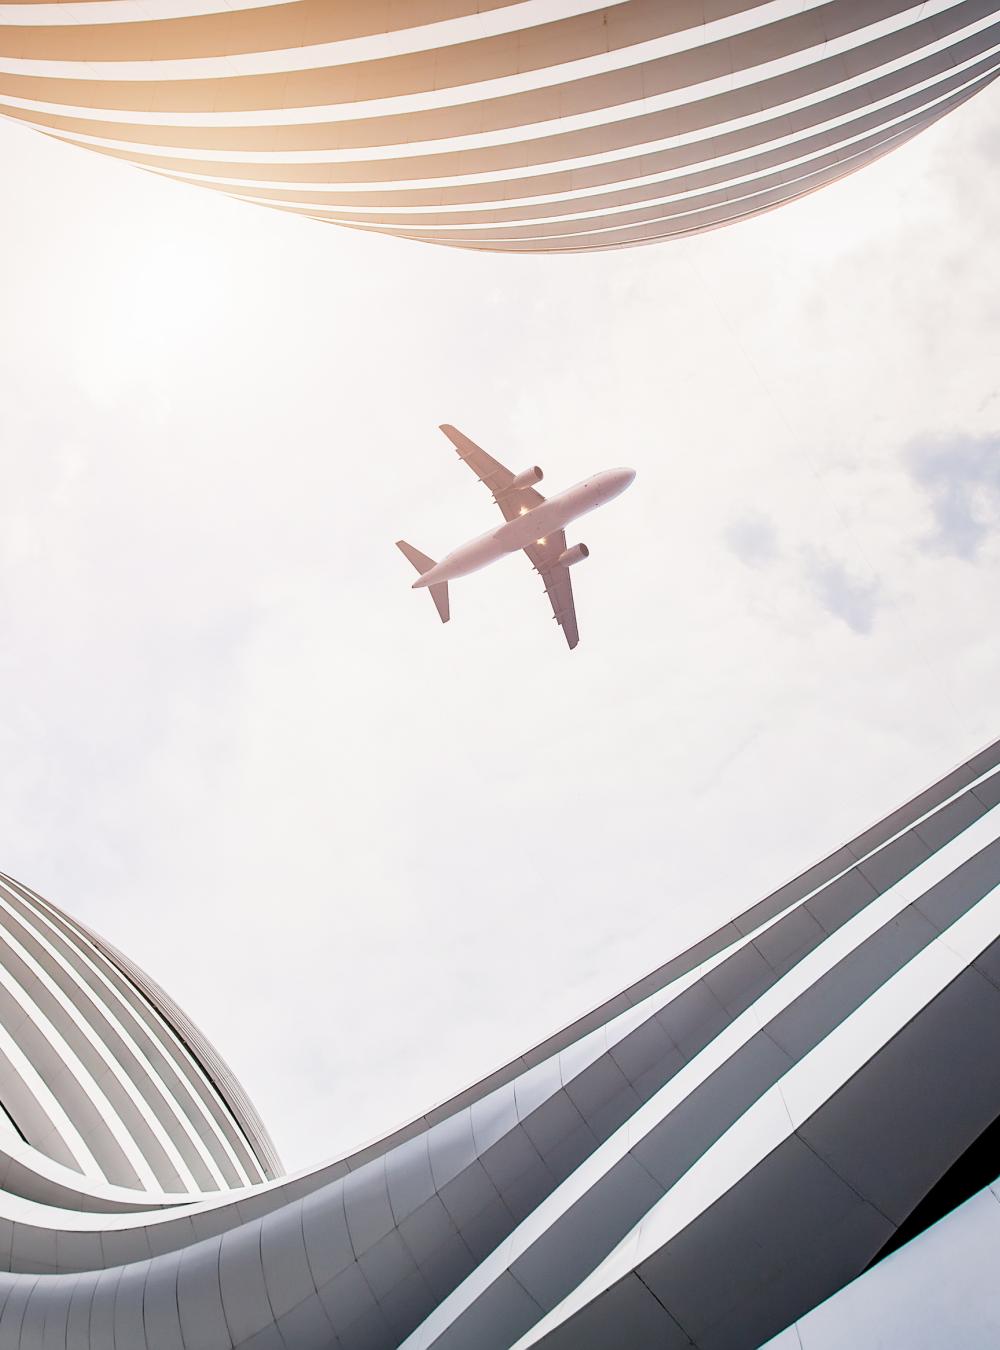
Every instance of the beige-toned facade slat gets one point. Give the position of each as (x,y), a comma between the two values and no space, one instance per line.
(402,69)
(313,22)
(90,1013)
(591,179)
(625,135)
(446,71)
(607,232)
(56,13)
(716,60)
(312,88)
(547,125)
(475,117)
(171,1061)
(675,227)
(564,236)
(567,207)
(577,221)
(820,151)
(230,32)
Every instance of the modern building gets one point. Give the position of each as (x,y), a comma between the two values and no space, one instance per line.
(537,126)
(103,1080)
(701,1161)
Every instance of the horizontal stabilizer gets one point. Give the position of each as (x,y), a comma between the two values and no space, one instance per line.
(413,555)
(439,593)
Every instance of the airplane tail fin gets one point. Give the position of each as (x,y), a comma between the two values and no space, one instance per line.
(439,593)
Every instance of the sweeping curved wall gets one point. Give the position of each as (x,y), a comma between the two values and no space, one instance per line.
(106,1087)
(509,125)
(698,1162)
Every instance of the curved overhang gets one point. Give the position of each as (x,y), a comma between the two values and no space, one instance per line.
(514,125)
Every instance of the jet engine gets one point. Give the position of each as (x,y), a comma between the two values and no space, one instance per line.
(574,555)
(528,477)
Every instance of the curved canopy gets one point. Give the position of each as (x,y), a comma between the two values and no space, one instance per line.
(510,125)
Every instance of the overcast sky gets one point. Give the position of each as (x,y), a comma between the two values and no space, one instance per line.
(374,857)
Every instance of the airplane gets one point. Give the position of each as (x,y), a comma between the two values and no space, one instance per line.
(532,523)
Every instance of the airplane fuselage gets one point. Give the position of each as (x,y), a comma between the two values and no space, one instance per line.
(532,526)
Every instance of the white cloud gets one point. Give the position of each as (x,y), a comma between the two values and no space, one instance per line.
(961,476)
(753,539)
(854,599)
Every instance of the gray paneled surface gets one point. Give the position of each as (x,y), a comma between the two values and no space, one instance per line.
(512,1197)
(939,1290)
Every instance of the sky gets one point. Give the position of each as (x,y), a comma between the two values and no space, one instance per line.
(373,857)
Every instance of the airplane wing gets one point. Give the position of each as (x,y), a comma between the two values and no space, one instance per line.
(557,583)
(544,555)
(498,479)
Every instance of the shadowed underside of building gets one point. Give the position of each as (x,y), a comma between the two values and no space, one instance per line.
(509,125)
(699,1162)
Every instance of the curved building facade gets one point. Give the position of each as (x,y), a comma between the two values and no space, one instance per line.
(699,1162)
(509,125)
(104,1083)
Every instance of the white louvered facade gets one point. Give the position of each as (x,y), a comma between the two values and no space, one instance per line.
(510,125)
(103,1076)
